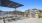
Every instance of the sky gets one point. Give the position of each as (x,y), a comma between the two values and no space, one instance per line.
(28,4)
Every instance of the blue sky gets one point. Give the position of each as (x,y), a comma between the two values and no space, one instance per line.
(28,4)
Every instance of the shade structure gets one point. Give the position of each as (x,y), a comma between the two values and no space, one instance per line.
(2,1)
(11,4)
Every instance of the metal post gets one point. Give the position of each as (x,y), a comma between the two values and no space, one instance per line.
(4,20)
(15,13)
(3,17)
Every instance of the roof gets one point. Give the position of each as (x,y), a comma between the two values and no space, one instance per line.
(11,4)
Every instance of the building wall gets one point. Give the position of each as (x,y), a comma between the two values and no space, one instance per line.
(40,15)
(32,13)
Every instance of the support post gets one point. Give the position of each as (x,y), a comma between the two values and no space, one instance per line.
(15,13)
(4,20)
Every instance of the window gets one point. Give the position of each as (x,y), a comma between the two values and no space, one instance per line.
(33,15)
(26,15)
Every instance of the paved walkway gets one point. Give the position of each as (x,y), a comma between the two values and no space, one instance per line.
(26,20)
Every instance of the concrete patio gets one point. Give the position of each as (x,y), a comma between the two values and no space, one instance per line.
(26,20)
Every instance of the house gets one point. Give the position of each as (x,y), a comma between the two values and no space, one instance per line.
(32,13)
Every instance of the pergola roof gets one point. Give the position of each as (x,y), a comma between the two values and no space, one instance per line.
(7,3)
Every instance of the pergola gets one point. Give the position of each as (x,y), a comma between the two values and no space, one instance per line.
(9,4)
